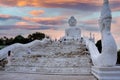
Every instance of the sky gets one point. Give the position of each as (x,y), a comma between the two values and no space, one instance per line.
(23,17)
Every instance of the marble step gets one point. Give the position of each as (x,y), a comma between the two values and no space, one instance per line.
(54,62)
(54,65)
(21,59)
(50,60)
(47,64)
(107,73)
(27,76)
(51,65)
(45,70)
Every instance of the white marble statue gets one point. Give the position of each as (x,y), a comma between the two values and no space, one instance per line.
(73,32)
(108,57)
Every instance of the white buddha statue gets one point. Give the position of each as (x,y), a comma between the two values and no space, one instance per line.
(73,32)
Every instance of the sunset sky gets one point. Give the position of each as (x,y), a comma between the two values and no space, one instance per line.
(51,16)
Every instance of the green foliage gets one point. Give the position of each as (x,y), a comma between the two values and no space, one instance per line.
(37,35)
(9,41)
(1,41)
(20,39)
(99,45)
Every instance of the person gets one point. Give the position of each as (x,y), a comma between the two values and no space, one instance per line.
(29,51)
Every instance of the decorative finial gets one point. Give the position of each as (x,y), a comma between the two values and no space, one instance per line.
(72,21)
(106,11)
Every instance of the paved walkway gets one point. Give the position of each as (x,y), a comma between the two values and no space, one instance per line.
(24,76)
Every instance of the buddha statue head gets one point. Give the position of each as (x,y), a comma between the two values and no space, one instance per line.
(72,21)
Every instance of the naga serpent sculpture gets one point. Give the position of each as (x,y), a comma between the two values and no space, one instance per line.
(108,56)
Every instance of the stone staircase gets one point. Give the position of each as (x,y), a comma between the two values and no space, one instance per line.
(63,65)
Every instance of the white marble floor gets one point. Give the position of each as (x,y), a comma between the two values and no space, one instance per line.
(25,76)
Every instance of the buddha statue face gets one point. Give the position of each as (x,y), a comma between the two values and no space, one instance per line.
(72,21)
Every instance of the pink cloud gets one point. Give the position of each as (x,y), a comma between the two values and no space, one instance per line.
(21,23)
(36,12)
(4,17)
(46,21)
(76,4)
(72,4)
(25,25)
(44,2)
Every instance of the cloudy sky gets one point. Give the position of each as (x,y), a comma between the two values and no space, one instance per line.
(51,16)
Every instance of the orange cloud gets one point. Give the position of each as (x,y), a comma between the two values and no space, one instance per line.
(59,3)
(36,12)
(22,3)
(45,3)
(88,5)
(67,1)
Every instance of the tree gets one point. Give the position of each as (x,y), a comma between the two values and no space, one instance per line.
(19,39)
(37,35)
(99,45)
(9,41)
(1,41)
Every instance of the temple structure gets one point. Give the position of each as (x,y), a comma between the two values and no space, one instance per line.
(72,54)
(68,55)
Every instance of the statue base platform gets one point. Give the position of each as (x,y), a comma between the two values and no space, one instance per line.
(106,73)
